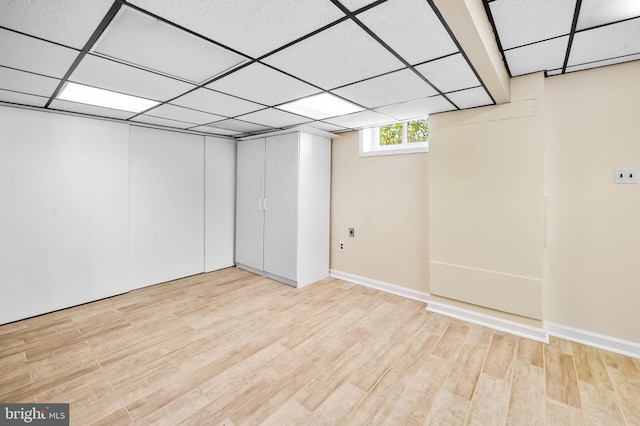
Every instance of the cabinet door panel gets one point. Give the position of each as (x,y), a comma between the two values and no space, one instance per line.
(249,216)
(281,193)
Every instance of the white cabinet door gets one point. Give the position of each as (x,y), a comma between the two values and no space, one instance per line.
(281,194)
(249,203)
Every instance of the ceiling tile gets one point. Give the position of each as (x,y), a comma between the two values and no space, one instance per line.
(449,74)
(29,54)
(417,108)
(89,109)
(274,118)
(25,82)
(521,22)
(600,12)
(554,72)
(337,56)
(215,131)
(69,22)
(262,84)
(326,126)
(354,5)
(541,56)
(111,75)
(216,103)
(162,121)
(188,115)
(22,98)
(606,42)
(603,63)
(253,27)
(140,39)
(388,89)
(411,28)
(470,98)
(239,126)
(360,119)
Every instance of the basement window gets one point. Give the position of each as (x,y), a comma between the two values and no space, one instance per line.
(406,137)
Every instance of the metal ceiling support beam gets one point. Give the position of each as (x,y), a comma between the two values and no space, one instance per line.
(574,24)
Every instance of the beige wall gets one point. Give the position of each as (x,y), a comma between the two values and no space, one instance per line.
(592,260)
(385,198)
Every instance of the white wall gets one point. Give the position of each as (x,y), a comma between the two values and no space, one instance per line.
(167,205)
(64,211)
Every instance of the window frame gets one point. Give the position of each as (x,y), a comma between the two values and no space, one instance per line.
(369,142)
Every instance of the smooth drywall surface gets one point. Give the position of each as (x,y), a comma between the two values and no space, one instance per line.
(486,202)
(167,205)
(64,211)
(592,261)
(220,203)
(385,199)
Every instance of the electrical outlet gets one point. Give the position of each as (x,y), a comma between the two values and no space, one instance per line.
(341,246)
(625,175)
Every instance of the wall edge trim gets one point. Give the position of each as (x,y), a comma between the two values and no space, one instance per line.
(382,286)
(600,341)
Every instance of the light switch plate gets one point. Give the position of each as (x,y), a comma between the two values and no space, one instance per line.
(625,175)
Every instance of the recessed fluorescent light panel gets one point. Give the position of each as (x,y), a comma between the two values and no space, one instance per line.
(142,40)
(104,98)
(321,106)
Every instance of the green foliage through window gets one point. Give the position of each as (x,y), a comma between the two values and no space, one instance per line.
(407,132)
(418,130)
(391,134)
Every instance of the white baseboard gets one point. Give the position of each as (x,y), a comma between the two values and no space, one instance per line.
(382,286)
(523,330)
(611,344)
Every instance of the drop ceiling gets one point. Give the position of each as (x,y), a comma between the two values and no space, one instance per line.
(231,67)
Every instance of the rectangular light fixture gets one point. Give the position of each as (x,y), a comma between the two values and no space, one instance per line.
(104,98)
(320,106)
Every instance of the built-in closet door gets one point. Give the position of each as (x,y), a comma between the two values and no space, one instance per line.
(281,209)
(250,203)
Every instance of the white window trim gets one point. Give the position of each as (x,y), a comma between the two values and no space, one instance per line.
(369,145)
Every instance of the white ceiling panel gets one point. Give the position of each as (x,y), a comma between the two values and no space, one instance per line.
(337,56)
(216,103)
(29,54)
(239,126)
(90,109)
(525,21)
(546,55)
(360,119)
(149,119)
(253,27)
(188,115)
(139,39)
(25,82)
(389,89)
(259,83)
(354,5)
(69,22)
(332,128)
(606,42)
(470,98)
(396,21)
(111,75)
(600,12)
(215,131)
(603,63)
(274,118)
(417,108)
(554,72)
(22,98)
(450,73)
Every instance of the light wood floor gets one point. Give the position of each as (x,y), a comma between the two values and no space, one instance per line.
(230,348)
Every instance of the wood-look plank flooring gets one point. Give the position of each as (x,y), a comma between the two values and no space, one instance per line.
(233,348)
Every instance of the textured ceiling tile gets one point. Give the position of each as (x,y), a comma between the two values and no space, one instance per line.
(546,55)
(262,84)
(22,98)
(411,28)
(215,131)
(162,121)
(274,118)
(25,82)
(388,89)
(600,12)
(606,42)
(239,126)
(521,22)
(417,108)
(216,103)
(253,27)
(29,54)
(177,113)
(111,75)
(449,74)
(354,5)
(470,98)
(69,22)
(89,109)
(337,56)
(604,63)
(321,125)
(360,119)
